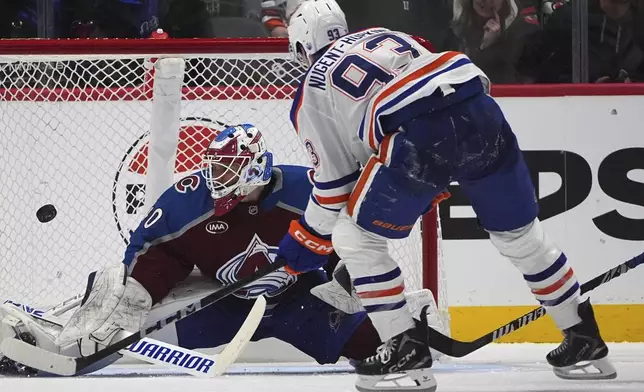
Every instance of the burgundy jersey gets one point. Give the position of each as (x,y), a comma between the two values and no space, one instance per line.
(181,233)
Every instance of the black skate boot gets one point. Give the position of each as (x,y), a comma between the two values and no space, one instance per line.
(402,363)
(581,350)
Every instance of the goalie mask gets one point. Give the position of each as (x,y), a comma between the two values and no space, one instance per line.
(314,25)
(235,163)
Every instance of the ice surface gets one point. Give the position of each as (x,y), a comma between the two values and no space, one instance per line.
(496,368)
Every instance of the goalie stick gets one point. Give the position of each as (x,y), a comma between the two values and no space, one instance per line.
(168,355)
(36,358)
(457,348)
(194,363)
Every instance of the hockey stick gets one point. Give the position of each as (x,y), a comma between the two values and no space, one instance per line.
(192,362)
(168,355)
(36,358)
(241,339)
(457,348)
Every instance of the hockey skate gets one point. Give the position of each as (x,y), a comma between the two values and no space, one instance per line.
(402,363)
(581,350)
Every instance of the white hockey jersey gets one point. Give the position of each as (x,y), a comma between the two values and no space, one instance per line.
(343,99)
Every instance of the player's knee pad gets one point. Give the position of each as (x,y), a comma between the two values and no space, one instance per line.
(527,247)
(353,243)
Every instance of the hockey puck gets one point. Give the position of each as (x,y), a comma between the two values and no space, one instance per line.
(46,213)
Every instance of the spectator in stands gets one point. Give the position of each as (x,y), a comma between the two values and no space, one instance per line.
(429,19)
(135,18)
(235,18)
(107,18)
(615,43)
(18,19)
(275,13)
(425,18)
(187,18)
(499,37)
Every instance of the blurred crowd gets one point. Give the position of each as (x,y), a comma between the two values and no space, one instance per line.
(513,41)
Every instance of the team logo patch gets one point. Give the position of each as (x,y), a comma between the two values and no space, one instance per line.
(128,190)
(186,184)
(253,210)
(257,255)
(315,158)
(216,227)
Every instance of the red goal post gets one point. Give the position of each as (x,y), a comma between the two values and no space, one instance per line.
(77,117)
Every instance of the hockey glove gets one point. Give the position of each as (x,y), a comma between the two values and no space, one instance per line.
(303,249)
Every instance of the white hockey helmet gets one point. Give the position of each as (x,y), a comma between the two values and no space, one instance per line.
(234,164)
(314,25)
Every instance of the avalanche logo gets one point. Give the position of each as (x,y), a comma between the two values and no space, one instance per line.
(257,255)
(128,190)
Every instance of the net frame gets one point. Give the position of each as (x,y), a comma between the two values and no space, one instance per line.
(30,51)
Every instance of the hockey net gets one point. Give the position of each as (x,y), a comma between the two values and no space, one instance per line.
(76,118)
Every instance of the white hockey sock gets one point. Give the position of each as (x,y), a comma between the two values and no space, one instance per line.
(383,297)
(545,270)
(376,277)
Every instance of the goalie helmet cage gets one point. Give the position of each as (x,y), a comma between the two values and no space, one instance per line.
(79,119)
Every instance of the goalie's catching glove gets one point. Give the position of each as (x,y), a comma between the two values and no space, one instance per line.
(303,249)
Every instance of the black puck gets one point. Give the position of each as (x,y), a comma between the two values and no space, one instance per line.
(46,213)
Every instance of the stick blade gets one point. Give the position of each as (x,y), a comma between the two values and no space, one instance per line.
(241,339)
(37,358)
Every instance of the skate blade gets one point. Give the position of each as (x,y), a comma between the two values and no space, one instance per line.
(603,370)
(418,380)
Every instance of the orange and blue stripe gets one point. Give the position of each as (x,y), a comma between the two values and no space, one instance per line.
(555,284)
(297,104)
(333,195)
(383,157)
(398,91)
(382,292)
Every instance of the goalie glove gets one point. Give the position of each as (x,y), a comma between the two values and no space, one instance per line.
(113,302)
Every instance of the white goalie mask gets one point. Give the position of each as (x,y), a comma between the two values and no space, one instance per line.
(314,25)
(235,163)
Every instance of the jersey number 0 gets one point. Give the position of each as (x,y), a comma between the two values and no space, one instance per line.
(370,72)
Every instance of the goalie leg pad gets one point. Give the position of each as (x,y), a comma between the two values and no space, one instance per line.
(339,292)
(38,328)
(16,322)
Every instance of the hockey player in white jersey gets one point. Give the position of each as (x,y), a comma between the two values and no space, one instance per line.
(388,125)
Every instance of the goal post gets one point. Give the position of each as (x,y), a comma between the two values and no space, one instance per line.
(86,126)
